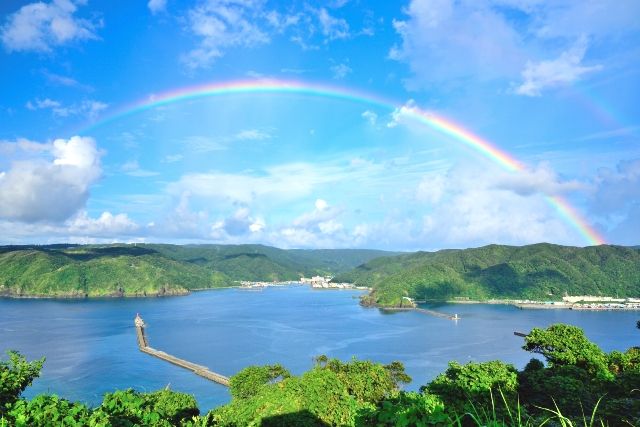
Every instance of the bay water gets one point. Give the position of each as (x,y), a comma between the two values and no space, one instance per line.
(90,345)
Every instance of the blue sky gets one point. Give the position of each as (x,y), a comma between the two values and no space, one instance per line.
(553,83)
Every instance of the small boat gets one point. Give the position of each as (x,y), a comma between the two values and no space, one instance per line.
(455,317)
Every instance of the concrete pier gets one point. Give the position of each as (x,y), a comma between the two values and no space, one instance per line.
(203,371)
(423,310)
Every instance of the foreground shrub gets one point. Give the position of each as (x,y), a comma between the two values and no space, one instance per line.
(16,374)
(466,388)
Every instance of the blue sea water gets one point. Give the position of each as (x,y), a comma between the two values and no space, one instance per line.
(90,345)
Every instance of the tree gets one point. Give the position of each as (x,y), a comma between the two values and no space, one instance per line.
(462,387)
(365,380)
(566,345)
(16,374)
(248,381)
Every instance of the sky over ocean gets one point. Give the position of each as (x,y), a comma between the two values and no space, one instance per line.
(419,124)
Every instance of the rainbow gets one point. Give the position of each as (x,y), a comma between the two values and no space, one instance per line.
(433,121)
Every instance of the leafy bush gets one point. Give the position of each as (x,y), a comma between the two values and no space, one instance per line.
(16,374)
(462,387)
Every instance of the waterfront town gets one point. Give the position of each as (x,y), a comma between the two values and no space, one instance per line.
(584,302)
(316,282)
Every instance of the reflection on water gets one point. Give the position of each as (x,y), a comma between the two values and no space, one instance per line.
(90,346)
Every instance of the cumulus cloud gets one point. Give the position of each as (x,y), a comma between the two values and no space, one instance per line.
(617,190)
(223,24)
(241,223)
(50,189)
(472,206)
(317,228)
(400,114)
(42,26)
(564,70)
(541,179)
(107,224)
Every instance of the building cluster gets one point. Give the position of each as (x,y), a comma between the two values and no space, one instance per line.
(585,302)
(321,282)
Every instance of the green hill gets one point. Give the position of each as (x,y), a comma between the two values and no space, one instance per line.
(149,270)
(259,262)
(538,272)
(79,271)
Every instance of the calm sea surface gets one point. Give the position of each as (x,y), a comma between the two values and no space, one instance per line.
(90,345)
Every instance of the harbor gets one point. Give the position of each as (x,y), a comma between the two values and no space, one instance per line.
(203,371)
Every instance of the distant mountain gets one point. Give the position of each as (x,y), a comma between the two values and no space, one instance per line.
(154,269)
(541,272)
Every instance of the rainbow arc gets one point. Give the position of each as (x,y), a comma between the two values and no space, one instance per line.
(443,125)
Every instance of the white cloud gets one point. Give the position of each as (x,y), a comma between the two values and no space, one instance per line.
(448,41)
(281,22)
(371,117)
(321,204)
(250,135)
(220,25)
(157,6)
(332,28)
(431,189)
(241,223)
(541,179)
(106,224)
(457,42)
(278,183)
(400,114)
(564,70)
(172,158)
(203,144)
(41,26)
(44,190)
(340,71)
(617,191)
(132,168)
(475,206)
(88,108)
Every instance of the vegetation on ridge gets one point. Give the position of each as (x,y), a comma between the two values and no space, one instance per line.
(152,269)
(537,272)
(580,385)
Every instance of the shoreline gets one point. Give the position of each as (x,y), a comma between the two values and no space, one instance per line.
(546,305)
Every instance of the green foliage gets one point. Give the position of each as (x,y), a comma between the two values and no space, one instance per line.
(50,410)
(125,408)
(407,409)
(16,374)
(247,382)
(153,270)
(538,272)
(463,386)
(366,381)
(563,345)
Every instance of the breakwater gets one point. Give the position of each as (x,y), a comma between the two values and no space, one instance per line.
(424,311)
(203,371)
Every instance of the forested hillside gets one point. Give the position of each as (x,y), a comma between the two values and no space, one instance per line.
(151,270)
(540,271)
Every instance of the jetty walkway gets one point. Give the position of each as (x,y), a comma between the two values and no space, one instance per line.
(425,311)
(203,371)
